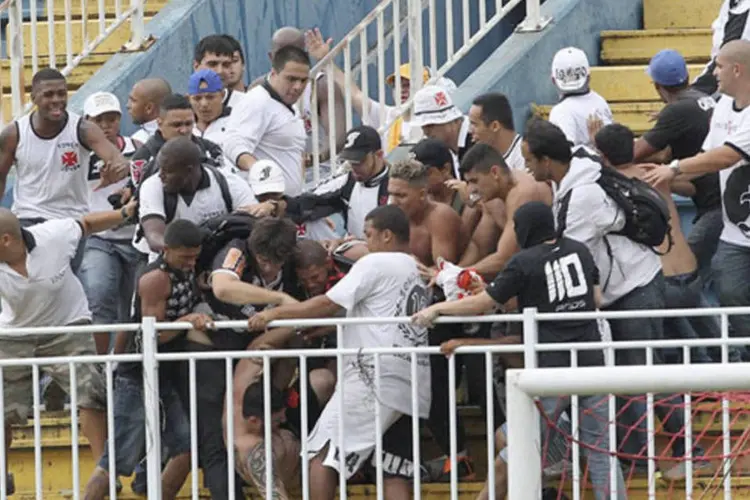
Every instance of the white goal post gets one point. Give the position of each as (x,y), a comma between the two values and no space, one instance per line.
(522,386)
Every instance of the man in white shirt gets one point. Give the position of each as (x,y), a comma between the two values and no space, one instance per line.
(211,113)
(578,103)
(726,150)
(384,283)
(144,106)
(439,118)
(109,258)
(187,189)
(267,126)
(491,122)
(38,289)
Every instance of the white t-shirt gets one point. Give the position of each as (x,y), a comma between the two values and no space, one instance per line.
(513,157)
(731,127)
(383,285)
(408,133)
(206,204)
(573,111)
(268,129)
(51,174)
(216,132)
(51,295)
(145,131)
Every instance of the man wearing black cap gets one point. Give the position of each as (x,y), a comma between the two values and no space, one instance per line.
(353,195)
(554,275)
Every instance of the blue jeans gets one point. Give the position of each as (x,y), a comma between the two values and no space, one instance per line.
(731,266)
(108,274)
(130,425)
(684,292)
(704,240)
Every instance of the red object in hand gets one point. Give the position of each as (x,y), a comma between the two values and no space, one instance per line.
(292,399)
(464,279)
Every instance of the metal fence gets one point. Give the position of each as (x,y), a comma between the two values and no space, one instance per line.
(523,386)
(29,43)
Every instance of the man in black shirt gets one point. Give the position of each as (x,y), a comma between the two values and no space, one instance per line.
(554,275)
(682,126)
(166,290)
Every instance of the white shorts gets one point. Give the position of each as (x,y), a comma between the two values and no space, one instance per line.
(359,433)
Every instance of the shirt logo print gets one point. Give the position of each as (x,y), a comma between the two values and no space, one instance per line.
(70,161)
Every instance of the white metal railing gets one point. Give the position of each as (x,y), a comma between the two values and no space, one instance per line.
(78,46)
(522,387)
(395,20)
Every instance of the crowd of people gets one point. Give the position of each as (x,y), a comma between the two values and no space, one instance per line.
(202,215)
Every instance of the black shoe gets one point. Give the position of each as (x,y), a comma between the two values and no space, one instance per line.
(139,484)
(10,485)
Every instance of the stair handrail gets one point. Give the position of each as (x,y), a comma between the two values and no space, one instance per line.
(534,21)
(17,55)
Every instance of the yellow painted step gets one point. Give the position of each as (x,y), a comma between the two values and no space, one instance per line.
(634,115)
(112,44)
(80,75)
(637,47)
(680,14)
(628,83)
(151,7)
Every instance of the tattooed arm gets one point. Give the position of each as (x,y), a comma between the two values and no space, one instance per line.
(255,466)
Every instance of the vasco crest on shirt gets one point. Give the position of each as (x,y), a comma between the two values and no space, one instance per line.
(69,160)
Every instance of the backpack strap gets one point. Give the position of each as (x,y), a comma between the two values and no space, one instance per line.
(562,214)
(346,196)
(223,186)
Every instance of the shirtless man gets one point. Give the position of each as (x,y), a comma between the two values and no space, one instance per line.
(485,171)
(436,229)
(249,412)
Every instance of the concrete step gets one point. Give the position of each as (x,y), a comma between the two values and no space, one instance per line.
(633,114)
(80,75)
(113,43)
(679,14)
(628,83)
(151,7)
(8,106)
(637,47)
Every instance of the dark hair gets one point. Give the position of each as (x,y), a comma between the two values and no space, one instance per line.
(213,44)
(546,139)
(676,88)
(252,400)
(236,47)
(289,53)
(181,151)
(482,157)
(174,101)
(182,233)
(46,75)
(495,108)
(310,253)
(615,142)
(392,218)
(274,239)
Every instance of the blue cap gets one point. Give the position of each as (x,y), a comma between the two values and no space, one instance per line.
(204,81)
(668,68)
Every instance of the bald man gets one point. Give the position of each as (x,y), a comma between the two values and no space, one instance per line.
(144,102)
(38,289)
(726,150)
(289,35)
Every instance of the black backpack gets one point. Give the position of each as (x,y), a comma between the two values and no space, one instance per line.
(646,212)
(218,232)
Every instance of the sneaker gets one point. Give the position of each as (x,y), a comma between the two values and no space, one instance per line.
(10,485)
(556,470)
(139,486)
(679,470)
(465,470)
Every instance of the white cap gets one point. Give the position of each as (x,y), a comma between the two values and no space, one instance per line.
(266,177)
(570,69)
(433,105)
(99,103)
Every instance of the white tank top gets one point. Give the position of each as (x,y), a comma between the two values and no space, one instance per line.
(305,108)
(51,174)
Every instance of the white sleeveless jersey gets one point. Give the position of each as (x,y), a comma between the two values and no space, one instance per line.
(51,174)
(306,110)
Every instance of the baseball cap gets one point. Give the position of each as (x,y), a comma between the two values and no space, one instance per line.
(360,141)
(433,105)
(99,103)
(204,81)
(570,69)
(266,177)
(405,72)
(432,153)
(668,68)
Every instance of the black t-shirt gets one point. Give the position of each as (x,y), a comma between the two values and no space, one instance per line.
(557,277)
(683,126)
(236,259)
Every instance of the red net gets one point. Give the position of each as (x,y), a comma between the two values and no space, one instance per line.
(671,422)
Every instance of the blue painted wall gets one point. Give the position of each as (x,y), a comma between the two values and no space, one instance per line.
(520,67)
